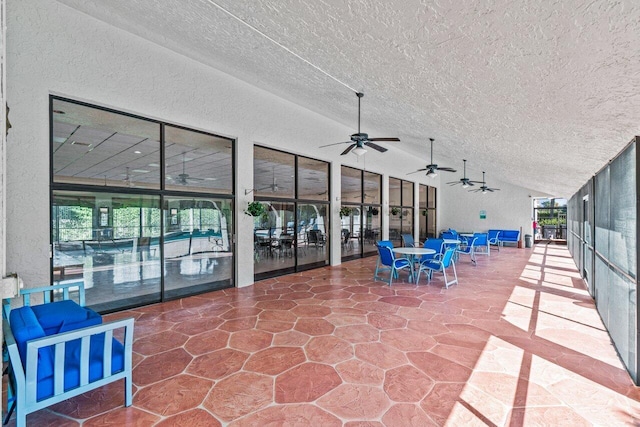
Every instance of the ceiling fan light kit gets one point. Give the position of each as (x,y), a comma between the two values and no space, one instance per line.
(359,151)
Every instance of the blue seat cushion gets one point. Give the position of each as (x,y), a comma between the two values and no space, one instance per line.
(402,262)
(434,265)
(72,365)
(25,327)
(61,316)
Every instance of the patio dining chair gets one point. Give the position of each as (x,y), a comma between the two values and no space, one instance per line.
(440,265)
(435,244)
(388,262)
(407,241)
(468,249)
(481,246)
(492,238)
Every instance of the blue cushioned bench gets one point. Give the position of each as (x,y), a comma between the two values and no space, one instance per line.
(506,236)
(61,349)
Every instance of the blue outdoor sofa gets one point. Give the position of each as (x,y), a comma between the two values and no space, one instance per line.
(61,349)
(505,236)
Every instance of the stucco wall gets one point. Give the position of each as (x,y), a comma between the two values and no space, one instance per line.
(509,208)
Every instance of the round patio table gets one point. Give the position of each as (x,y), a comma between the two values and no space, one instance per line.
(413,253)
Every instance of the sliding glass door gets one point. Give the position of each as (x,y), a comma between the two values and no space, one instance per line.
(292,234)
(361,195)
(141,211)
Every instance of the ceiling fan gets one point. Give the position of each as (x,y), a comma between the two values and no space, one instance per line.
(274,184)
(360,140)
(127,179)
(484,187)
(432,168)
(184,177)
(466,182)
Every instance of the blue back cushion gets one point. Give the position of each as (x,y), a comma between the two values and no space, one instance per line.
(60,316)
(481,239)
(386,255)
(436,245)
(25,327)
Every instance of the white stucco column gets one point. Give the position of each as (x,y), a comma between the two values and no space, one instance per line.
(385,208)
(244,223)
(335,204)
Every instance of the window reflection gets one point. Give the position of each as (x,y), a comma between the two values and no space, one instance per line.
(197,161)
(395,192)
(273,173)
(313,179)
(360,228)
(125,244)
(116,256)
(197,245)
(400,209)
(291,235)
(427,213)
(97,147)
(372,188)
(351,185)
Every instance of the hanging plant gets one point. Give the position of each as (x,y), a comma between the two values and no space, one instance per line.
(345,211)
(255,209)
(374,211)
(424,212)
(395,211)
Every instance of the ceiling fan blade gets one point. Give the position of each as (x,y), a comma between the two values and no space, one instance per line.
(476,182)
(392,139)
(454,182)
(446,169)
(419,170)
(470,183)
(335,143)
(349,148)
(375,146)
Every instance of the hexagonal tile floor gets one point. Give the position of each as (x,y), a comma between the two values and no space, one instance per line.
(517,342)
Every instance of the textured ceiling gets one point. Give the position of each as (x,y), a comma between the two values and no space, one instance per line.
(540,94)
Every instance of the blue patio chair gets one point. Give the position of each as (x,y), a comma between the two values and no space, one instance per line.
(388,262)
(407,241)
(449,235)
(481,246)
(435,244)
(468,249)
(440,265)
(493,238)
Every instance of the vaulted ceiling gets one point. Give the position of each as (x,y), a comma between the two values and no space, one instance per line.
(541,94)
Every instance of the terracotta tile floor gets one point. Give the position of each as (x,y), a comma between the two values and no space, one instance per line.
(517,342)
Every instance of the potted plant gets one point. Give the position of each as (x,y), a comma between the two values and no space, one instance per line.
(255,209)
(345,211)
(424,212)
(374,211)
(395,211)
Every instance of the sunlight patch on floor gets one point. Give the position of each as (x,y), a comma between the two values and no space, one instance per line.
(518,313)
